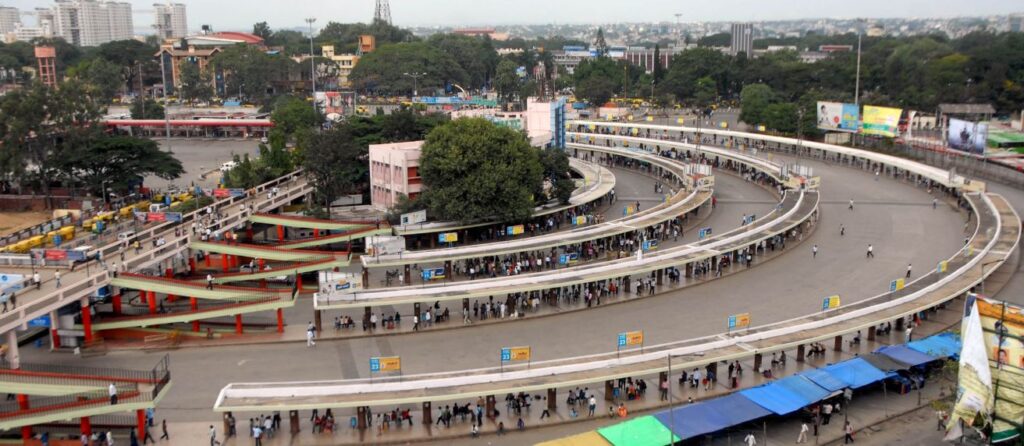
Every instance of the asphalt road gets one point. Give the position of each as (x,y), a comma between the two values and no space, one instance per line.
(199,156)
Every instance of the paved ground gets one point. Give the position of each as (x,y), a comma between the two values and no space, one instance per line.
(199,156)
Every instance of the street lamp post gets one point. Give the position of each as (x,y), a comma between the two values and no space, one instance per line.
(167,105)
(312,61)
(856,92)
(415,82)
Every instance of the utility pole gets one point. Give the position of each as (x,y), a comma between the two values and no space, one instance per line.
(167,105)
(415,82)
(856,92)
(312,62)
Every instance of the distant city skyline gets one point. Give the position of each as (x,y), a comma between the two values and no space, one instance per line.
(241,14)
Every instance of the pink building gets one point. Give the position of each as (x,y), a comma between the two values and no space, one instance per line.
(394,171)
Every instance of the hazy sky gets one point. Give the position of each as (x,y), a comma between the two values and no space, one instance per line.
(241,14)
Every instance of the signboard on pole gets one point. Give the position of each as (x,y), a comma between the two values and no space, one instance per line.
(448,237)
(385,364)
(433,274)
(648,245)
(943,266)
(704,233)
(881,121)
(515,354)
(569,258)
(579,220)
(515,230)
(830,302)
(967,136)
(413,218)
(629,338)
(738,321)
(335,285)
(896,285)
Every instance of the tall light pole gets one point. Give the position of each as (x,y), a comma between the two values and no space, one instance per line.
(415,82)
(312,61)
(167,105)
(856,91)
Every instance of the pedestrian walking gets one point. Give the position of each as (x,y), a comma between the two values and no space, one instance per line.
(814,251)
(909,268)
(163,429)
(37,280)
(802,438)
(213,437)
(851,204)
(848,430)
(112,391)
(842,230)
(209,281)
(871,251)
(750,439)
(935,203)
(591,405)
(310,335)
(56,277)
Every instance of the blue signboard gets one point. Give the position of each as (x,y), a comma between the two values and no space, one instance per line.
(649,245)
(622,339)
(704,232)
(237,192)
(41,321)
(173,216)
(566,259)
(76,255)
(375,364)
(506,355)
(434,273)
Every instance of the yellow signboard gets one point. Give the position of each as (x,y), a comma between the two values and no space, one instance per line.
(514,354)
(386,364)
(680,121)
(448,237)
(830,302)
(741,320)
(649,119)
(516,230)
(631,338)
(881,121)
(943,266)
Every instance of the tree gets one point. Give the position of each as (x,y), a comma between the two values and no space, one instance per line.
(506,80)
(597,80)
(263,30)
(195,85)
(556,172)
(754,101)
(336,163)
(599,43)
(147,109)
(475,55)
(119,161)
(658,71)
(384,70)
(597,90)
(251,71)
(473,169)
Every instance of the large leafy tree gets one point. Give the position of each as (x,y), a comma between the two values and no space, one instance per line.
(344,36)
(147,109)
(754,102)
(475,55)
(252,71)
(384,69)
(195,85)
(118,161)
(473,169)
(506,80)
(336,163)
(101,78)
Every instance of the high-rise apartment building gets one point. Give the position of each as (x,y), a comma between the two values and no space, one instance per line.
(1016,23)
(742,39)
(170,20)
(91,22)
(10,18)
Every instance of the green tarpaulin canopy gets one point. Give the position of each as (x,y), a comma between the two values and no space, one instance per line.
(643,431)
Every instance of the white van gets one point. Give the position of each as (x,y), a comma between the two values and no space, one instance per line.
(228,166)
(125,236)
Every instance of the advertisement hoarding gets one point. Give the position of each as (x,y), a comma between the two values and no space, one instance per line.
(741,320)
(448,237)
(628,338)
(967,136)
(830,302)
(513,354)
(413,218)
(837,117)
(881,121)
(335,285)
(386,364)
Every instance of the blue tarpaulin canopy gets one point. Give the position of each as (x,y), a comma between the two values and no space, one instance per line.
(943,344)
(693,420)
(786,395)
(824,379)
(906,355)
(855,373)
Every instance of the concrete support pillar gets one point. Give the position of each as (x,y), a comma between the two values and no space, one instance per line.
(660,276)
(12,350)
(86,320)
(26,431)
(317,318)
(609,391)
(234,261)
(838,344)
(140,421)
(87,427)
(713,368)
(427,417)
(899,324)
(238,324)
(871,333)
(408,276)
(366,278)
(280,321)
(207,260)
(316,233)
(191,265)
(552,399)
(490,402)
(757,362)
(448,270)
(800,353)
(361,417)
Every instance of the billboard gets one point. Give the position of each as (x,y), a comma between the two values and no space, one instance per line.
(881,121)
(380,245)
(379,364)
(513,354)
(338,285)
(413,218)
(991,368)
(837,117)
(967,136)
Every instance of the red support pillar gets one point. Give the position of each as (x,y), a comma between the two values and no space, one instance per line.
(87,427)
(280,321)
(143,297)
(248,234)
(234,261)
(263,282)
(26,431)
(224,259)
(169,273)
(316,233)
(116,303)
(55,338)
(87,324)
(298,282)
(208,260)
(152,302)
(140,420)
(280,233)
(238,324)
(191,265)
(194,305)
